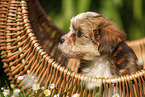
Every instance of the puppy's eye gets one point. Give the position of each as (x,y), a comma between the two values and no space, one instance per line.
(79,34)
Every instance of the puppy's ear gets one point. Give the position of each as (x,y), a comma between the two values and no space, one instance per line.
(108,37)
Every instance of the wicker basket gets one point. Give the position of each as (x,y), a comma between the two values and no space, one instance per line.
(28,44)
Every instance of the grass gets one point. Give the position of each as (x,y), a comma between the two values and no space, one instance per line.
(128,14)
(36,90)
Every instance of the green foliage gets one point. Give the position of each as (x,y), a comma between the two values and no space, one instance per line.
(128,14)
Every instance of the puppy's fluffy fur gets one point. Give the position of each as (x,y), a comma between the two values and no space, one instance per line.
(100,45)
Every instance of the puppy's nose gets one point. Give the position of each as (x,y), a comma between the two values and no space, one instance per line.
(61,40)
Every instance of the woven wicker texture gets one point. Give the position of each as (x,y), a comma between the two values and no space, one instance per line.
(28,44)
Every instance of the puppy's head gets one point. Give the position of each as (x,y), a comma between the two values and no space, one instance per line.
(90,35)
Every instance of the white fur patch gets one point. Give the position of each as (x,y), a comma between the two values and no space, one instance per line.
(139,62)
(100,67)
(81,15)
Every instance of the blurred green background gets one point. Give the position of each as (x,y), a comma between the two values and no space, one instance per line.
(128,14)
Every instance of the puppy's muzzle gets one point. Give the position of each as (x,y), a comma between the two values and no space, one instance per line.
(61,40)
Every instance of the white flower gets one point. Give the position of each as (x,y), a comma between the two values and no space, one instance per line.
(98,83)
(116,95)
(35,91)
(12,86)
(57,95)
(47,92)
(36,87)
(76,95)
(2,88)
(52,86)
(20,78)
(42,88)
(6,92)
(13,96)
(16,91)
(92,85)
(28,71)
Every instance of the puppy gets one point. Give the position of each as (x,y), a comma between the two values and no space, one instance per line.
(100,46)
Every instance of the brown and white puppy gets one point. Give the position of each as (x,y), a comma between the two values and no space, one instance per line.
(100,45)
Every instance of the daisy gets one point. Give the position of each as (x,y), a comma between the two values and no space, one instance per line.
(92,85)
(12,86)
(6,92)
(57,95)
(16,91)
(98,83)
(36,87)
(20,78)
(47,92)
(2,88)
(76,95)
(52,86)
(116,95)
